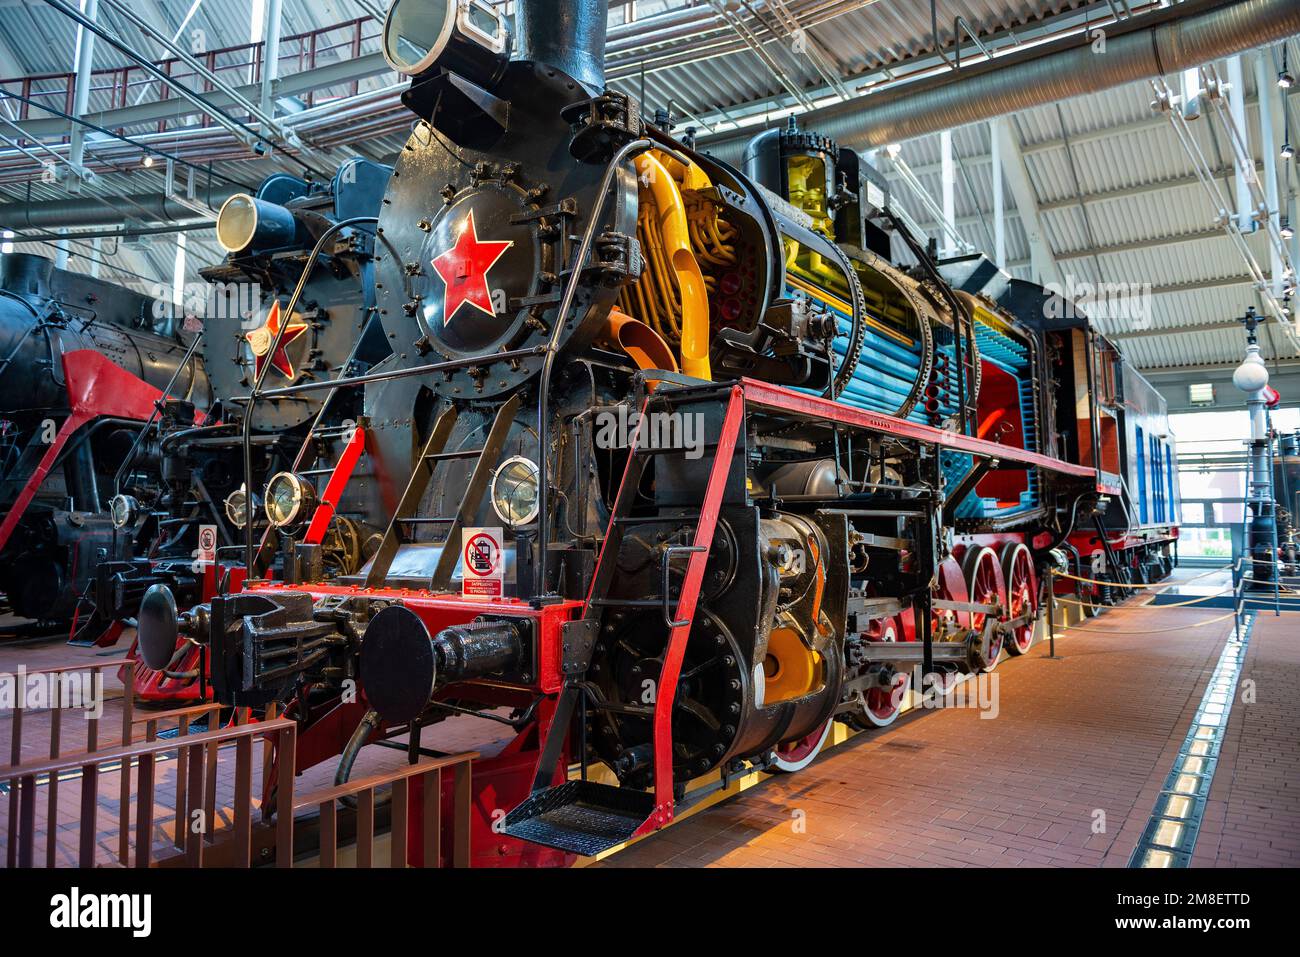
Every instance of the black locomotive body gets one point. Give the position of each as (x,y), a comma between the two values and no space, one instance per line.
(673,461)
(81,363)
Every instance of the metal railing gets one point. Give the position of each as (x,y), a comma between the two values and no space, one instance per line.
(122,86)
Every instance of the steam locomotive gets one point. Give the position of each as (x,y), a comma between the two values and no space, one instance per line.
(257,328)
(677,469)
(82,362)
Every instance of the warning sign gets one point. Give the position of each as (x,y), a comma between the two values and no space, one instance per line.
(482,562)
(207,543)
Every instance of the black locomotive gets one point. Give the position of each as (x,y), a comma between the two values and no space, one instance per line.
(673,461)
(293,303)
(82,362)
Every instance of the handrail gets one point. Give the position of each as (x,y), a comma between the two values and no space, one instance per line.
(291,38)
(363,789)
(56,722)
(200,805)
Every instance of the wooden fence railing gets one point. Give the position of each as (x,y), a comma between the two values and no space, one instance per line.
(363,790)
(198,754)
(60,706)
(192,795)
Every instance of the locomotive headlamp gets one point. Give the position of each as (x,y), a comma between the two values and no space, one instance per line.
(237,507)
(467,37)
(514,491)
(123,510)
(246,221)
(289,499)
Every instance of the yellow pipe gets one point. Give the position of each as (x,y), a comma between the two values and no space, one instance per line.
(677,241)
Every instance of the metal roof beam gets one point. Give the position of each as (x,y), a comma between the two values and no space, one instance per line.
(1212,367)
(1213,233)
(1043,263)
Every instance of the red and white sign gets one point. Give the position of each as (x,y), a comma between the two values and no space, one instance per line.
(483,562)
(207,543)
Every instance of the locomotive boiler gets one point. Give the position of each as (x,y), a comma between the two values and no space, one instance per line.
(676,465)
(82,362)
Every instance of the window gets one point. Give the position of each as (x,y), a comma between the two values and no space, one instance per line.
(1201,393)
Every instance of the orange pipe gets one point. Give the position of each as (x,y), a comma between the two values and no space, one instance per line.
(677,243)
(646,347)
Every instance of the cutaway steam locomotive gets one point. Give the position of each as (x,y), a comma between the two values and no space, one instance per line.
(258,328)
(82,362)
(676,468)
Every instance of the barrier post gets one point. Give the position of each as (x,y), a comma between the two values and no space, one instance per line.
(1051,612)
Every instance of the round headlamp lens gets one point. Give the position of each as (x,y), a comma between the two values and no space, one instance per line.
(289,498)
(123,510)
(514,491)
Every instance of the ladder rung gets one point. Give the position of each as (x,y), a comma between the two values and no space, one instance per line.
(645,450)
(425,520)
(627,602)
(656,519)
(465,454)
(315,471)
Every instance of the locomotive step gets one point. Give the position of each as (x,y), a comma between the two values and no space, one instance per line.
(581,817)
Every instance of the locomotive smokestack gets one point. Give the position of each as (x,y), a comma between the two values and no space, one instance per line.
(566,34)
(25,274)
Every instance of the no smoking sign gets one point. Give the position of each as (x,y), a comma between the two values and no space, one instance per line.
(483,562)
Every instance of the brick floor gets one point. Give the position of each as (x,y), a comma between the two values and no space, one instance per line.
(1065,775)
(1074,739)
(1253,816)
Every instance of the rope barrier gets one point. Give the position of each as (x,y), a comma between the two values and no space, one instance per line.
(1163,584)
(1153,631)
(1180,604)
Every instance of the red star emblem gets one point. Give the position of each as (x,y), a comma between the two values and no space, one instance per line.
(260,340)
(464,268)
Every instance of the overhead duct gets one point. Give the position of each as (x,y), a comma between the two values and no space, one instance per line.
(107,210)
(1149,45)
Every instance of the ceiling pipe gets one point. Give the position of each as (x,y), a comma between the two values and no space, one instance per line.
(1153,44)
(107,210)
